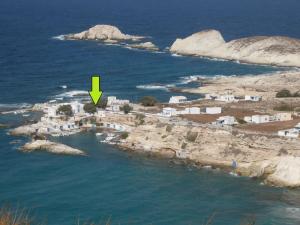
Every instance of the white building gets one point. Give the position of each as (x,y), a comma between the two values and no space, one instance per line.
(113,108)
(226,120)
(51,111)
(257,119)
(286,116)
(77,108)
(190,110)
(168,111)
(100,113)
(213,110)
(293,133)
(177,99)
(253,98)
(226,98)
(211,96)
(112,100)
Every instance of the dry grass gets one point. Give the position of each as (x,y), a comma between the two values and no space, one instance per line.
(14,217)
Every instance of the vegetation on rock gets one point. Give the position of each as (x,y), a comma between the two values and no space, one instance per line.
(148,101)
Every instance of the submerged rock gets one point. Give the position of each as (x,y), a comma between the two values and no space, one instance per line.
(52,147)
(107,33)
(146,45)
(272,50)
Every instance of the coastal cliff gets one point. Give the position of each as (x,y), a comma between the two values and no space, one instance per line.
(270,50)
(105,33)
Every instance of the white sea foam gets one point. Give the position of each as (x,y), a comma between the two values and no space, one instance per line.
(155,86)
(59,37)
(15,106)
(176,55)
(72,94)
(64,86)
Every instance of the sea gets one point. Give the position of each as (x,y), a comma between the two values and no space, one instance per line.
(37,65)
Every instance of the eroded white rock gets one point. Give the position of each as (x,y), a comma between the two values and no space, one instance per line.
(274,50)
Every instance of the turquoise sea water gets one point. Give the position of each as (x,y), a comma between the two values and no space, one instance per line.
(129,188)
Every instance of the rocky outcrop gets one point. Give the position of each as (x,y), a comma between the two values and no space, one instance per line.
(146,45)
(107,33)
(52,147)
(273,50)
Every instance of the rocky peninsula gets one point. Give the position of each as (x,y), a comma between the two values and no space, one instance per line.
(269,50)
(106,33)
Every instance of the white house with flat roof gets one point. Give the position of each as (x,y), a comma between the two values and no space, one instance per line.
(253,98)
(190,110)
(177,99)
(257,119)
(112,100)
(225,120)
(77,107)
(284,116)
(168,112)
(213,110)
(293,133)
(226,98)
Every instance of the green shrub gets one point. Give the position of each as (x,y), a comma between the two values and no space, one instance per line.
(102,103)
(148,101)
(124,135)
(90,108)
(284,94)
(191,136)
(169,128)
(126,108)
(241,121)
(65,110)
(283,107)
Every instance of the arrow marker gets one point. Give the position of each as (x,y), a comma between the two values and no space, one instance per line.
(95,92)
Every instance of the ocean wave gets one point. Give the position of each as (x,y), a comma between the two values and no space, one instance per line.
(59,37)
(176,55)
(155,86)
(63,86)
(72,94)
(15,106)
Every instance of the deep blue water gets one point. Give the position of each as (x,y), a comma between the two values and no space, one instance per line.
(109,183)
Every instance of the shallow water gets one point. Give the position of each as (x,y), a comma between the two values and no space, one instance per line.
(129,188)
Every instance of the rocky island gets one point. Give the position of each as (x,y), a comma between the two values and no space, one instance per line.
(106,33)
(270,50)
(51,147)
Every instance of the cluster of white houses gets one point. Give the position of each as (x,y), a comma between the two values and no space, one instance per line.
(267,118)
(293,132)
(232,98)
(169,111)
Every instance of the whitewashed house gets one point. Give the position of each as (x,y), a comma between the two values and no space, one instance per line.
(77,108)
(293,133)
(190,110)
(211,96)
(285,116)
(257,119)
(253,98)
(225,120)
(113,108)
(168,112)
(226,98)
(51,111)
(177,99)
(112,100)
(100,113)
(213,110)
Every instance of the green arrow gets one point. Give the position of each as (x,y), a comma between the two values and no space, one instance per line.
(95,92)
